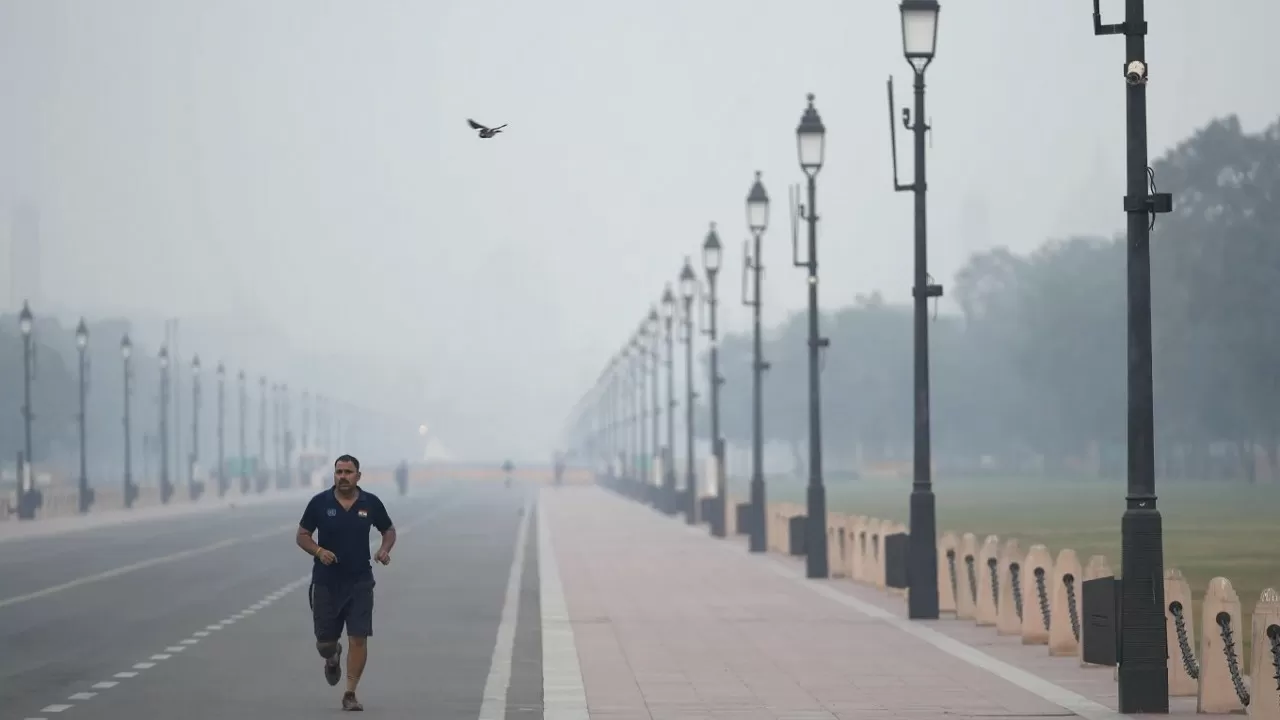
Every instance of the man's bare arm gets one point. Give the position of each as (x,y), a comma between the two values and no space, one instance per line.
(388,539)
(306,542)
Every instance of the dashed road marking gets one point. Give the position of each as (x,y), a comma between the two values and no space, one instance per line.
(105,685)
(82,696)
(125,675)
(55,708)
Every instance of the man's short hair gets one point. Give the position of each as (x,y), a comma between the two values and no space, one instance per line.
(348,458)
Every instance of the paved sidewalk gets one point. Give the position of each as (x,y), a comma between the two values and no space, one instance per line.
(670,623)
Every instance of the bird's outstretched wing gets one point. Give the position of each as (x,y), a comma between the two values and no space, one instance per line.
(475,125)
(500,126)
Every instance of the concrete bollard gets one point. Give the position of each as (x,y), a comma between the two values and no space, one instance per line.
(1219,650)
(868,541)
(988,575)
(1180,633)
(967,577)
(1064,607)
(1096,568)
(1265,660)
(1037,571)
(851,560)
(948,548)
(857,546)
(875,539)
(1009,609)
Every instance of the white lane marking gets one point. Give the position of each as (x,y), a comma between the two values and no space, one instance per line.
(117,572)
(143,666)
(175,648)
(494,705)
(189,641)
(563,693)
(160,656)
(215,626)
(105,685)
(125,674)
(200,633)
(82,696)
(55,708)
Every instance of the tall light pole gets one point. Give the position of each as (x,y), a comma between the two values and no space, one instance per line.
(711,255)
(671,503)
(811,142)
(26,482)
(242,427)
(919,42)
(641,416)
(222,440)
(262,471)
(126,354)
(757,222)
(1143,673)
(286,440)
(655,358)
(166,486)
(82,345)
(194,485)
(688,287)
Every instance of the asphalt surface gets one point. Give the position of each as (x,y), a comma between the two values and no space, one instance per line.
(206,616)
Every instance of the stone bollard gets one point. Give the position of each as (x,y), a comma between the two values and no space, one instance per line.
(1064,607)
(988,575)
(947,550)
(868,542)
(1265,666)
(1037,571)
(1009,608)
(875,540)
(967,577)
(1096,568)
(1220,650)
(1180,631)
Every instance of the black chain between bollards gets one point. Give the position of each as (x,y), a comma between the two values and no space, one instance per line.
(973,578)
(1015,582)
(1184,643)
(1233,661)
(1043,596)
(1070,581)
(995,583)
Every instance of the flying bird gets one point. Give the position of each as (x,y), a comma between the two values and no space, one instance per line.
(484,131)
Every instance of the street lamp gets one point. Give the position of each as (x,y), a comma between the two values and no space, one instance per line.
(261,465)
(194,487)
(82,346)
(222,447)
(166,487)
(655,358)
(711,256)
(1143,652)
(811,142)
(126,354)
(689,286)
(26,483)
(242,426)
(919,41)
(286,438)
(671,503)
(757,222)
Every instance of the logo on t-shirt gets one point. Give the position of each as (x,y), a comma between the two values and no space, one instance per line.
(362,512)
(332,512)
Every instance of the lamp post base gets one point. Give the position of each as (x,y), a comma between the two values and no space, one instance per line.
(922,557)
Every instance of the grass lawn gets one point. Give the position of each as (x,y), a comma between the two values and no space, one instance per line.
(1210,530)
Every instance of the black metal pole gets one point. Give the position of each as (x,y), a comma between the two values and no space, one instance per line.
(130,492)
(193,485)
(758,541)
(642,418)
(655,358)
(243,431)
(286,438)
(262,471)
(26,415)
(166,487)
(672,502)
(717,445)
(86,500)
(1143,672)
(922,600)
(816,524)
(223,484)
(691,476)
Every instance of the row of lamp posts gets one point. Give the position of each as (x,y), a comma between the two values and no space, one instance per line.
(1142,645)
(30,498)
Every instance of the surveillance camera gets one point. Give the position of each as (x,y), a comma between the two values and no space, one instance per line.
(1135,73)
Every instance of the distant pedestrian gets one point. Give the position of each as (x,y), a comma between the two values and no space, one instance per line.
(341,591)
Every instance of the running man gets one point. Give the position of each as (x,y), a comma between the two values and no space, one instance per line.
(341,592)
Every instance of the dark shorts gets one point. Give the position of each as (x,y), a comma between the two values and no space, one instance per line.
(348,605)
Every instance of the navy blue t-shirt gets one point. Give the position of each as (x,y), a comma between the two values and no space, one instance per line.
(345,533)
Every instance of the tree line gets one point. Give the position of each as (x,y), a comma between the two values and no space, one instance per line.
(1030,375)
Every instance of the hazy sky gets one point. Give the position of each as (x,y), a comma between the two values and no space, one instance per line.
(309,160)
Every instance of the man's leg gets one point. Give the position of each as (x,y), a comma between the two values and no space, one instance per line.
(328,630)
(359,623)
